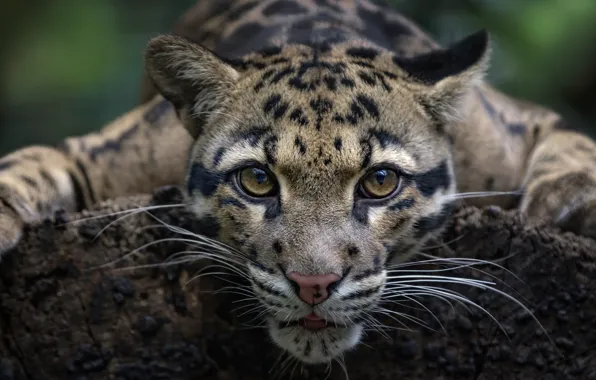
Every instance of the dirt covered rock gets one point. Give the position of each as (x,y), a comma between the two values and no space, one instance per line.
(65,315)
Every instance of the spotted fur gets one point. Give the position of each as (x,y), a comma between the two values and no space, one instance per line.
(318,92)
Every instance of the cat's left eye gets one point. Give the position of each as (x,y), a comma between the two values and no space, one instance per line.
(379,183)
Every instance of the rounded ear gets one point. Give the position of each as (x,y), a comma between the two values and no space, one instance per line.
(447,75)
(193,79)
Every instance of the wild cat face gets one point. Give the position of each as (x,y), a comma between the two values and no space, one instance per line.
(321,164)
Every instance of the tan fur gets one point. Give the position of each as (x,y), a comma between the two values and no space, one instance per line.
(319,115)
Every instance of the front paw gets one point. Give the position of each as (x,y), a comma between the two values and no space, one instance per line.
(11,228)
(568,201)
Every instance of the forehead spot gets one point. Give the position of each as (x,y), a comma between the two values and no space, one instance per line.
(362,52)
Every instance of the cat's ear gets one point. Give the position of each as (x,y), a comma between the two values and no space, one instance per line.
(447,75)
(192,78)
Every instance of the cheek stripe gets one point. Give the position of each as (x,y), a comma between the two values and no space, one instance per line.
(433,222)
(203,179)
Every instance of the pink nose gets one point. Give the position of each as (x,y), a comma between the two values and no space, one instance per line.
(313,289)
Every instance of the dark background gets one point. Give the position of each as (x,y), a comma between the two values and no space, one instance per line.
(69,66)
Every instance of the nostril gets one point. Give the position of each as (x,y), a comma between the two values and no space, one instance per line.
(312,289)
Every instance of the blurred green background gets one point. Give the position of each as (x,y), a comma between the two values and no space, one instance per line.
(69,66)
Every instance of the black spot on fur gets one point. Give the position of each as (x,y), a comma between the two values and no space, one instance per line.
(218,155)
(276,105)
(271,103)
(366,152)
(363,52)
(203,179)
(432,223)
(369,105)
(428,183)
(517,129)
(208,226)
(367,78)
(432,67)
(337,143)
(267,74)
(231,202)
(361,293)
(356,113)
(273,209)
(277,247)
(327,161)
(78,191)
(321,106)
(363,64)
(81,167)
(48,179)
(347,82)
(403,204)
(331,83)
(385,138)
(113,145)
(284,7)
(300,145)
(7,164)
(298,116)
(390,75)
(360,212)
(339,119)
(279,60)
(154,114)
(259,86)
(367,273)
(381,79)
(282,74)
(253,135)
(353,251)
(270,147)
(307,348)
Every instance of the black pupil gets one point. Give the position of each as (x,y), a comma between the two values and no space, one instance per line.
(260,176)
(381,175)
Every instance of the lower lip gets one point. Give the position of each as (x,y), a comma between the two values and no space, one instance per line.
(313,322)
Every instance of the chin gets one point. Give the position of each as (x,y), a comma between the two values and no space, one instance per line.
(314,345)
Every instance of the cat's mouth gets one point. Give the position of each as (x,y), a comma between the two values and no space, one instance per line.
(311,322)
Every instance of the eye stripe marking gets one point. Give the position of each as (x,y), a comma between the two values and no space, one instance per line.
(403,204)
(231,202)
(429,182)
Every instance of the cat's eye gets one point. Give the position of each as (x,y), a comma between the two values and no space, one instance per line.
(380,183)
(257,182)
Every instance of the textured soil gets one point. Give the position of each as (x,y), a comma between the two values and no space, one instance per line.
(63,318)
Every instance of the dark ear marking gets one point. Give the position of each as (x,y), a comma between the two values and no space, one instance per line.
(432,67)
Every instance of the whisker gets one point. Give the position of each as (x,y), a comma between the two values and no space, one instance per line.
(85,219)
(480,194)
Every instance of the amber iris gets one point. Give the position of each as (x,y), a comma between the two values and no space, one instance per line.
(380,183)
(256,182)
